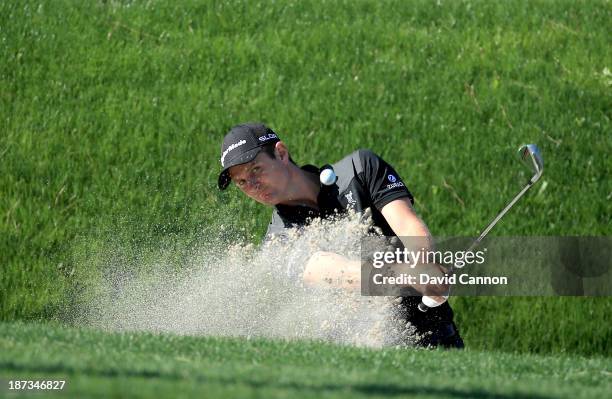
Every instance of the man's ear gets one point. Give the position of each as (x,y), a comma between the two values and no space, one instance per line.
(281,152)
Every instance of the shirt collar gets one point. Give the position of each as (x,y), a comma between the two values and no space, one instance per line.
(326,201)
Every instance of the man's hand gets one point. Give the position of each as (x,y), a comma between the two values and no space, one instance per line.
(327,269)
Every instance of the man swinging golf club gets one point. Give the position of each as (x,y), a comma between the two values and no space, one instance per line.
(258,162)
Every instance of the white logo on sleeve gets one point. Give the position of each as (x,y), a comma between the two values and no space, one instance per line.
(231,147)
(394,182)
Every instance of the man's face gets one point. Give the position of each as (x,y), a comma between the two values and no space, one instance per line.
(264,179)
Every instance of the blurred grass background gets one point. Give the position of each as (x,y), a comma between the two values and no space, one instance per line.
(112,114)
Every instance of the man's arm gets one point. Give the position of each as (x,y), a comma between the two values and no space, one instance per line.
(330,269)
(415,236)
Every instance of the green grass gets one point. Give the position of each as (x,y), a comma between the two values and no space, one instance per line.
(112,113)
(95,363)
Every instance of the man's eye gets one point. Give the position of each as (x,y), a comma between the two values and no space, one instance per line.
(256,169)
(240,183)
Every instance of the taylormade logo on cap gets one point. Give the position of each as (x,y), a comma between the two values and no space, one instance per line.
(244,142)
(231,147)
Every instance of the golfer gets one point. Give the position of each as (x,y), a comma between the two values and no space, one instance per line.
(258,162)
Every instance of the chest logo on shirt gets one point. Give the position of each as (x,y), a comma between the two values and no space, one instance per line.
(349,197)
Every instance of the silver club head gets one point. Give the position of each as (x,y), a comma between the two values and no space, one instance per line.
(530,155)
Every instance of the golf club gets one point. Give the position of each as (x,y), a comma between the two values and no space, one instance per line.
(530,155)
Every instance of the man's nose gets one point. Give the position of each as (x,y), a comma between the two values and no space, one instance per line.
(252,183)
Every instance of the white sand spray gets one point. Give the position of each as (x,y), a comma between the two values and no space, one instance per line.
(249,291)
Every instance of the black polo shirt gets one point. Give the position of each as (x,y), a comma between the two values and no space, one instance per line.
(364,181)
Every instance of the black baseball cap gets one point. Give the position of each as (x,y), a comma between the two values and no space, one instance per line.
(241,145)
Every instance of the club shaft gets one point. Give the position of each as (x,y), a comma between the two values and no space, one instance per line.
(499,216)
(538,166)
(422,306)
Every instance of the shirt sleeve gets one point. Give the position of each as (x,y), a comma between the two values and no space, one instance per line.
(382,181)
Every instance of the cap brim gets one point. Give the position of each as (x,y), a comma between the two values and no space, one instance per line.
(224,176)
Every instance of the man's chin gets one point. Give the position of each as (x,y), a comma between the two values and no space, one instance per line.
(268,200)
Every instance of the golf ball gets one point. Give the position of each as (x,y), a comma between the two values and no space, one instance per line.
(327,176)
